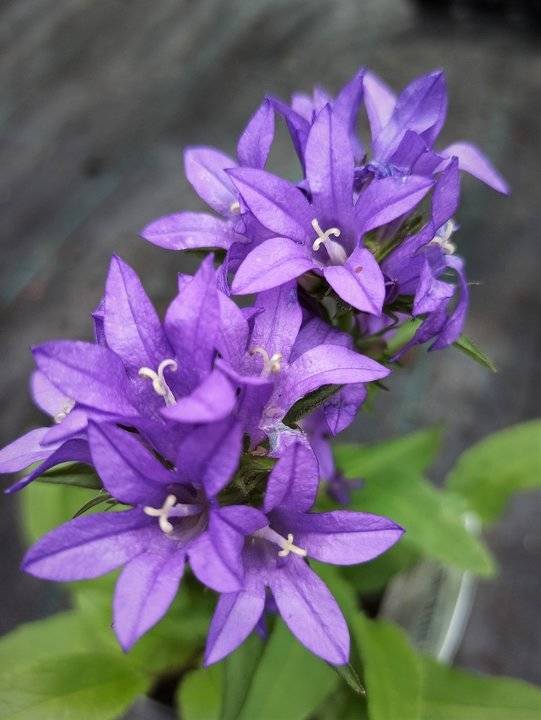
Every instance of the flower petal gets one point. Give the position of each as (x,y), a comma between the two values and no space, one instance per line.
(446,194)
(233,331)
(294,480)
(46,396)
(212,400)
(271,264)
(310,611)
(256,139)
(389,198)
(278,323)
(90,546)
(341,409)
(189,231)
(472,160)
(205,169)
(379,101)
(71,450)
(235,616)
(145,590)
(359,282)
(24,451)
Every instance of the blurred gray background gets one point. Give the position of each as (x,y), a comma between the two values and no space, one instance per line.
(99,98)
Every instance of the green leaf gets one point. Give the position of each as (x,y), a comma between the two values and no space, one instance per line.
(451,694)
(392,671)
(72,473)
(289,682)
(61,634)
(82,686)
(492,470)
(199,696)
(46,506)
(469,348)
(415,451)
(310,402)
(402,335)
(373,576)
(433,519)
(239,669)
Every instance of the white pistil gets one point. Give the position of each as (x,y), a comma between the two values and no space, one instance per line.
(171,508)
(443,235)
(158,381)
(286,545)
(336,252)
(234,208)
(63,414)
(272,364)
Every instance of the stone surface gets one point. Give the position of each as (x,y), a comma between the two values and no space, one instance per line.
(99,99)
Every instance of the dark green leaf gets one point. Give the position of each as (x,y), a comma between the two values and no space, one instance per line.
(199,696)
(492,470)
(72,473)
(392,671)
(82,686)
(310,402)
(95,502)
(468,347)
(451,694)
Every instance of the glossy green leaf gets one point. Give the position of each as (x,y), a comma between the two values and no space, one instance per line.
(433,519)
(415,451)
(82,686)
(392,671)
(450,694)
(289,682)
(492,470)
(199,696)
(469,348)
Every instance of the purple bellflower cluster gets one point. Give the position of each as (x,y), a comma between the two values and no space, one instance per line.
(209,430)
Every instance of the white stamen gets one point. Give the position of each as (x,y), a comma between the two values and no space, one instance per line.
(63,414)
(287,545)
(234,208)
(158,381)
(443,235)
(272,364)
(336,252)
(172,508)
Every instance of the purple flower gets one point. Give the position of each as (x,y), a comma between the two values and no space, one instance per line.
(174,517)
(275,561)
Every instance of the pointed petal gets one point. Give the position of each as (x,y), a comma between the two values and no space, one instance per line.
(46,396)
(323,365)
(446,194)
(129,471)
(379,101)
(132,327)
(455,323)
(256,139)
(329,167)
(341,409)
(210,455)
(278,323)
(189,231)
(90,546)
(192,322)
(235,617)
(24,451)
(90,374)
(318,332)
(297,125)
(145,590)
(359,282)
(294,480)
(472,160)
(233,332)
(342,537)
(271,264)
(212,400)
(276,203)
(73,424)
(413,156)
(346,108)
(389,198)
(430,292)
(310,611)
(421,107)
(205,169)
(71,450)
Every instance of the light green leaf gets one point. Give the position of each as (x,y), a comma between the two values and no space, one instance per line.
(239,669)
(492,470)
(392,671)
(451,694)
(469,348)
(199,696)
(74,474)
(433,519)
(402,335)
(289,682)
(415,451)
(82,686)
(373,576)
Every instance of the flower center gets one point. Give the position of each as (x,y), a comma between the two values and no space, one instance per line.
(64,412)
(286,544)
(158,381)
(336,252)
(272,364)
(443,235)
(171,508)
